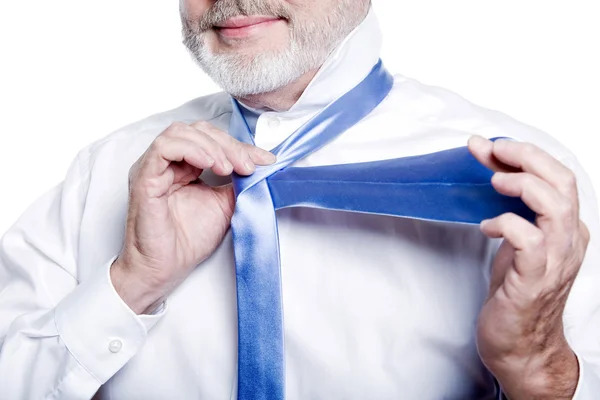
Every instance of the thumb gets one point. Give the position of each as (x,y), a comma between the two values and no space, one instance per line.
(226,198)
(502,262)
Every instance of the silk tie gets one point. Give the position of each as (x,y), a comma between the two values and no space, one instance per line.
(445,186)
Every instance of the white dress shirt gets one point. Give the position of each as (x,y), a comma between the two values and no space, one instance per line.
(375,307)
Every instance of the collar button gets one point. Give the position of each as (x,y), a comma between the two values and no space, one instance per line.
(273,122)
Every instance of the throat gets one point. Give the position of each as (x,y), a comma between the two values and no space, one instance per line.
(281,99)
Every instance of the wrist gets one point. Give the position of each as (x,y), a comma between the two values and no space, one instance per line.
(140,297)
(551,374)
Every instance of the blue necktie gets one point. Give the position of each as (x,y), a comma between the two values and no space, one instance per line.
(445,186)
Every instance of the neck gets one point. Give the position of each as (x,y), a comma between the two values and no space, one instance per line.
(281,99)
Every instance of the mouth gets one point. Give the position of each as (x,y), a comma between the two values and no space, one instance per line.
(242,26)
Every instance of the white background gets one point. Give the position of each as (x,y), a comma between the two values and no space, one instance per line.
(72,71)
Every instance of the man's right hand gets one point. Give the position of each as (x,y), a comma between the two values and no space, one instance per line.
(174,221)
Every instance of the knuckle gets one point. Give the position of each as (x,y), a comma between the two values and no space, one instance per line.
(178,125)
(569,182)
(222,142)
(507,219)
(528,179)
(215,145)
(528,182)
(529,149)
(216,150)
(174,127)
(564,210)
(535,240)
(160,142)
(242,150)
(226,147)
(229,140)
(151,187)
(201,125)
(249,149)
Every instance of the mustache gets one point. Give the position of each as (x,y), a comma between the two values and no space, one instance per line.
(223,10)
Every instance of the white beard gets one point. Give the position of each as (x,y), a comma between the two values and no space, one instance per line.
(241,75)
(309,46)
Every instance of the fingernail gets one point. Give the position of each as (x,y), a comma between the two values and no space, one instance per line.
(484,224)
(271,157)
(500,176)
(478,140)
(227,165)
(249,166)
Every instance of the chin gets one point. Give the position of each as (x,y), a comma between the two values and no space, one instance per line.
(247,51)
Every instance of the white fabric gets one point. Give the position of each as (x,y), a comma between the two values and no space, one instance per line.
(375,307)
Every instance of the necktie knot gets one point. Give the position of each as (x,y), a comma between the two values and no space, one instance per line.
(243,183)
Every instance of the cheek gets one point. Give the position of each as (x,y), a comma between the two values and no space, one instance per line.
(193,9)
(310,8)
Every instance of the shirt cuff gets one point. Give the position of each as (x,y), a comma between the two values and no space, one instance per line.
(588,386)
(149,320)
(100,331)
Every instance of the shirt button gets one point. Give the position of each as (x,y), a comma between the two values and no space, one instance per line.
(273,122)
(115,346)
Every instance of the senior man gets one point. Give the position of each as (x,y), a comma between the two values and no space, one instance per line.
(124,282)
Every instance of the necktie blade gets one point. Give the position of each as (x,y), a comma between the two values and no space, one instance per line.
(449,185)
(260,328)
(261,374)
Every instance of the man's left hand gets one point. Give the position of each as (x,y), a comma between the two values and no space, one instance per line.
(520,334)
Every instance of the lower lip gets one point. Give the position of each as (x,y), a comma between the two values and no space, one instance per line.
(245,31)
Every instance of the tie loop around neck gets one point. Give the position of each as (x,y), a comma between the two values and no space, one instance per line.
(315,133)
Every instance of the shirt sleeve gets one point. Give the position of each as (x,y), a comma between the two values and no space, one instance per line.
(582,312)
(60,337)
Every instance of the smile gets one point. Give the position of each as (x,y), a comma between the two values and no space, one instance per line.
(243,26)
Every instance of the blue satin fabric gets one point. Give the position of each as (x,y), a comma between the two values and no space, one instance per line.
(445,186)
(449,185)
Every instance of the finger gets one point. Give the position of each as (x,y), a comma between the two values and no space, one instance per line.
(527,239)
(503,261)
(260,156)
(164,151)
(161,166)
(536,193)
(233,149)
(482,149)
(184,173)
(243,156)
(554,214)
(222,164)
(532,159)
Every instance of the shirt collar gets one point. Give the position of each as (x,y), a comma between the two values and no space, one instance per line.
(345,68)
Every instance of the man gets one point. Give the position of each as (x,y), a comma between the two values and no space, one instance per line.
(120,283)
